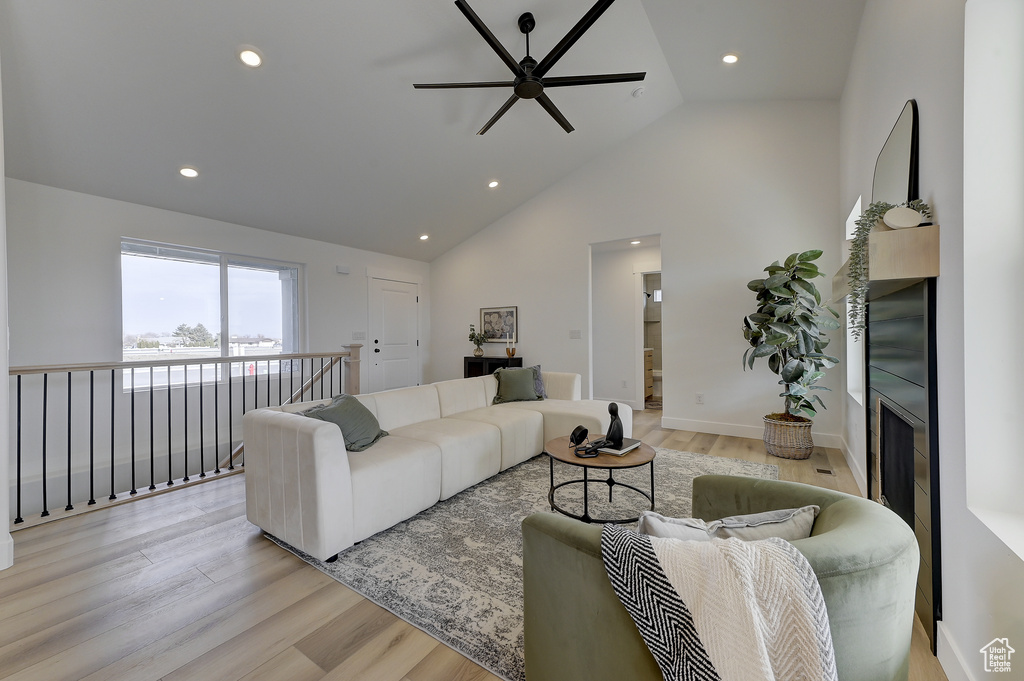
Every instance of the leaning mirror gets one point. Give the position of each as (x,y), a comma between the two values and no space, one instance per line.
(895,179)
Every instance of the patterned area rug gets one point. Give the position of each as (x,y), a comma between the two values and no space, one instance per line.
(455,570)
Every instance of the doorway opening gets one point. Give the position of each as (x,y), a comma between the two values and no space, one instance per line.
(652,340)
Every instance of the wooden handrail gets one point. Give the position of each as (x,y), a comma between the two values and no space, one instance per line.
(351,352)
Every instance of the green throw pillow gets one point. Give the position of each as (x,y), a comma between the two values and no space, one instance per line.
(359,426)
(516,385)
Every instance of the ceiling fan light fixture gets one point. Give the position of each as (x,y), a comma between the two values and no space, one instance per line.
(250,56)
(730,58)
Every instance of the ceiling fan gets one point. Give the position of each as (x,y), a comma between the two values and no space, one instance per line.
(530,81)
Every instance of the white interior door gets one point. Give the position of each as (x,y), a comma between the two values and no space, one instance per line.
(394,334)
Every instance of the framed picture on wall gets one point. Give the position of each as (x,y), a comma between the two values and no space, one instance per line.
(500,324)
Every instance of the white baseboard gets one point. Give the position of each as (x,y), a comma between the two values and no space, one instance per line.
(736,430)
(950,658)
(856,464)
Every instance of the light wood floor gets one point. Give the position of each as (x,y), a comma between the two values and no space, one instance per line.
(180,586)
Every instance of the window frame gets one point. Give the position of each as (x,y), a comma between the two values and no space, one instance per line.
(293,336)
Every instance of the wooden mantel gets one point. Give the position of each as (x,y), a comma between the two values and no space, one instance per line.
(896,258)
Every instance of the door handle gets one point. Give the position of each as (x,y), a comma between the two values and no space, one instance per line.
(376,349)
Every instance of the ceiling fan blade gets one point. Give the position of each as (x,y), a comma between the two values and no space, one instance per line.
(443,86)
(509,60)
(562,81)
(550,107)
(501,112)
(571,37)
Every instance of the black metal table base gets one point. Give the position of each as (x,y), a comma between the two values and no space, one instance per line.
(610,481)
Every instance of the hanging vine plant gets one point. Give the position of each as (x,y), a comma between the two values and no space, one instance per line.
(858,269)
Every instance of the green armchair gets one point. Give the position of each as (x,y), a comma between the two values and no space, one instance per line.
(864,555)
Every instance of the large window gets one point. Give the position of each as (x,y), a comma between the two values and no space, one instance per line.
(181,303)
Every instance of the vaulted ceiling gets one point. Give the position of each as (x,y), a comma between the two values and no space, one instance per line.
(328,140)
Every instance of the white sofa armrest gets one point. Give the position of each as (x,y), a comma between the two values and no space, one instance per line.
(561,385)
(298,486)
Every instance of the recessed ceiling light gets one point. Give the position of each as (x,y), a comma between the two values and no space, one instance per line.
(634,242)
(250,57)
(189,172)
(492,184)
(730,58)
(424,237)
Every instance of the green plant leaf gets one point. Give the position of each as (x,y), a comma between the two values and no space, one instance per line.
(826,323)
(776,280)
(758,318)
(792,371)
(756,284)
(773,363)
(808,256)
(763,350)
(791,260)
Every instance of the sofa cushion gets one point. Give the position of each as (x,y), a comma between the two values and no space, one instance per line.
(516,385)
(358,425)
(561,416)
(789,524)
(461,394)
(395,480)
(400,407)
(522,431)
(470,451)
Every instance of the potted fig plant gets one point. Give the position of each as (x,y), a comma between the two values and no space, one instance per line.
(787,330)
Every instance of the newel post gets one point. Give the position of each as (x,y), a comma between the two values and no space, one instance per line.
(352,369)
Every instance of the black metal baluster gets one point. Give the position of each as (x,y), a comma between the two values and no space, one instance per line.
(113,382)
(152,436)
(321,378)
(244,372)
(69,507)
(302,377)
(268,382)
(134,491)
(332,365)
(92,438)
(17,517)
(46,511)
(291,380)
(280,383)
(231,419)
(216,413)
(170,452)
(202,430)
(184,475)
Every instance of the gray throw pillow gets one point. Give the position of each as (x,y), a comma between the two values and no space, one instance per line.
(359,426)
(789,524)
(516,385)
(538,382)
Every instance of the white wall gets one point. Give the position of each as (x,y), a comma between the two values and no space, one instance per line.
(66,283)
(729,187)
(6,542)
(617,281)
(982,578)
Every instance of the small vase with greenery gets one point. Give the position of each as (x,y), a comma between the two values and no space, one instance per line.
(787,329)
(858,269)
(476,339)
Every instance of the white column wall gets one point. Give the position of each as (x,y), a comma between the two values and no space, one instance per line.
(6,542)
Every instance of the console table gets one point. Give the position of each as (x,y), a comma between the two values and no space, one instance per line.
(483,366)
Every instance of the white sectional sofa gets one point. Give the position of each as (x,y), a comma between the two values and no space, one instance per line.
(304,488)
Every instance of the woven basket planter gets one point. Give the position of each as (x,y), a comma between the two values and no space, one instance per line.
(788,439)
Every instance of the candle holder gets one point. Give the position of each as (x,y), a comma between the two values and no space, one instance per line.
(511,352)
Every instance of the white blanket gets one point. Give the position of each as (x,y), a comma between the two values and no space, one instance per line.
(724,609)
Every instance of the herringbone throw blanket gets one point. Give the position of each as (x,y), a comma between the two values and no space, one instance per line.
(724,609)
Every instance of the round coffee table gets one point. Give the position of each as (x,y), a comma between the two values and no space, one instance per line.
(560,449)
